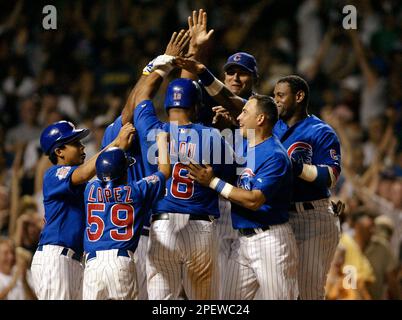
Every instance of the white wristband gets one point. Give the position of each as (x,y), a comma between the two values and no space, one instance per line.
(309,172)
(227,189)
(214,183)
(222,187)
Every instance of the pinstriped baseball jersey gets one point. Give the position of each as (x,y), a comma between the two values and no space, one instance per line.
(315,142)
(115,216)
(137,170)
(195,141)
(58,276)
(314,224)
(264,257)
(191,267)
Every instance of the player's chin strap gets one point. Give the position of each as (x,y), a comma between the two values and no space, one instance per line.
(162,64)
(322,175)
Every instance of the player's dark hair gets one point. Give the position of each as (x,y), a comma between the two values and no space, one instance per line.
(53,156)
(267,105)
(297,84)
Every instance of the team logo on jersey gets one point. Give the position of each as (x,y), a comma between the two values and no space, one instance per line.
(333,154)
(244,180)
(301,150)
(151,179)
(62,172)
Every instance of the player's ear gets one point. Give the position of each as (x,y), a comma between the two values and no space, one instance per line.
(300,96)
(59,152)
(261,118)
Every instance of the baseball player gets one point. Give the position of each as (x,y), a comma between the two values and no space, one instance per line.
(56,266)
(314,150)
(240,75)
(181,246)
(264,257)
(116,212)
(139,166)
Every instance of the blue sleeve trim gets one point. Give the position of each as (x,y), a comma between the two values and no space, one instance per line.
(323,177)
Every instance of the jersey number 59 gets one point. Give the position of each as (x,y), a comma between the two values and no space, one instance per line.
(125,226)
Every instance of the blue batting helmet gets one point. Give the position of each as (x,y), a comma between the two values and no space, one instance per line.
(111,164)
(181,93)
(59,134)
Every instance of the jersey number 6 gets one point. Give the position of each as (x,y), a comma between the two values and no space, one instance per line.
(125,226)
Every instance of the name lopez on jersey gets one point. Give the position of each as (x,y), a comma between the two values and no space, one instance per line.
(98,194)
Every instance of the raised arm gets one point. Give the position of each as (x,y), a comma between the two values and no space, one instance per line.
(199,39)
(87,170)
(154,73)
(215,88)
(163,154)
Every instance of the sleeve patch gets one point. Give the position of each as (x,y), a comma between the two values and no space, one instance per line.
(151,179)
(333,154)
(62,172)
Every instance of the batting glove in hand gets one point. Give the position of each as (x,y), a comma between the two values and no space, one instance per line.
(163,60)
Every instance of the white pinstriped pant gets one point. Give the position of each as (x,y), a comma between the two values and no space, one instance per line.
(181,254)
(265,263)
(110,277)
(140,256)
(317,236)
(55,276)
(225,235)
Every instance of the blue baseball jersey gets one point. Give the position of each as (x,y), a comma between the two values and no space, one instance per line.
(64,209)
(314,141)
(116,213)
(201,143)
(268,169)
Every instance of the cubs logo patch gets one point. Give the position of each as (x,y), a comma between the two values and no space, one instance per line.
(333,154)
(245,177)
(62,172)
(237,57)
(301,150)
(151,179)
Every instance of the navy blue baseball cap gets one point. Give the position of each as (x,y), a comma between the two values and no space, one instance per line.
(244,60)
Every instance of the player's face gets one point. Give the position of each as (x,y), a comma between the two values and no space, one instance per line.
(248,117)
(239,81)
(285,101)
(73,153)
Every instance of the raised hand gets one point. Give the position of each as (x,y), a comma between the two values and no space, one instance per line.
(125,137)
(178,43)
(188,64)
(223,116)
(197,25)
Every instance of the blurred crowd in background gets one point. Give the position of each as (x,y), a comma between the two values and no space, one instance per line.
(84,70)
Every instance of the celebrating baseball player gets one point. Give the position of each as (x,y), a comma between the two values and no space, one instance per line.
(264,257)
(56,266)
(314,150)
(116,212)
(139,166)
(240,75)
(181,247)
